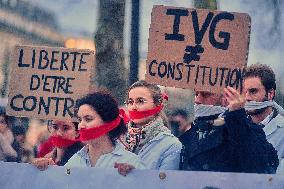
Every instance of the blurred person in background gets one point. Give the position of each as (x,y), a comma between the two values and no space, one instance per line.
(179,122)
(44,146)
(7,152)
(19,133)
(64,135)
(37,132)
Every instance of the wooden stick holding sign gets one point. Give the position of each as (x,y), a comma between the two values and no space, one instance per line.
(45,82)
(197,48)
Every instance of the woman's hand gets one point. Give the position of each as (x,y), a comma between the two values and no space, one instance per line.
(123,168)
(234,98)
(42,163)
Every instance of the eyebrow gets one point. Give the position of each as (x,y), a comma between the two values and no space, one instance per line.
(86,116)
(252,89)
(66,125)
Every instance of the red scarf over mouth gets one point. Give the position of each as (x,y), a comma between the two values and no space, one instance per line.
(143,114)
(61,142)
(96,132)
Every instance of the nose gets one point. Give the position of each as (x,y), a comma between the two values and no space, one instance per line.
(248,96)
(59,132)
(198,99)
(132,107)
(82,125)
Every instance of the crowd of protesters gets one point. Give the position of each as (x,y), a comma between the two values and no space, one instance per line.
(231,131)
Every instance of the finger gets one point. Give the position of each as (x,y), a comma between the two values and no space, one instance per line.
(116,165)
(123,173)
(51,162)
(233,95)
(42,167)
(130,167)
(228,95)
(231,89)
(234,92)
(43,164)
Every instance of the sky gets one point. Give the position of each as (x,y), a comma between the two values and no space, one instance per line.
(79,17)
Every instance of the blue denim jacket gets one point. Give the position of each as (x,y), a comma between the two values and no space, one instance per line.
(119,155)
(162,152)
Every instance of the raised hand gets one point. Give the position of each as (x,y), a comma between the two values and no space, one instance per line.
(235,100)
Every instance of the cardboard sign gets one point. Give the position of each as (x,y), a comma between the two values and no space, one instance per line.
(197,48)
(45,82)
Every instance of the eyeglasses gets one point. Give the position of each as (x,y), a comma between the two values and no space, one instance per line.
(138,102)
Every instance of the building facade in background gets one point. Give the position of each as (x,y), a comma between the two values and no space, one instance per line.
(24,23)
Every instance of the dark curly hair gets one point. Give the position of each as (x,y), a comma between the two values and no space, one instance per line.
(107,107)
(264,73)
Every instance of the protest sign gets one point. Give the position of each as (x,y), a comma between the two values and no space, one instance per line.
(26,176)
(197,48)
(46,81)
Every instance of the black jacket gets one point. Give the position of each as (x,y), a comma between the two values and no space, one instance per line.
(68,153)
(237,146)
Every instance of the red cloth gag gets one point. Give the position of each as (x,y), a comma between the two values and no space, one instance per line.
(124,116)
(96,132)
(143,114)
(61,142)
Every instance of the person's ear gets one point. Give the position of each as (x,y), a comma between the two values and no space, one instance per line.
(271,94)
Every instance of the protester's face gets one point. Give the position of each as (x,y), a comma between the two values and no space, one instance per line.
(207,98)
(255,91)
(3,124)
(140,99)
(88,117)
(65,129)
(182,122)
